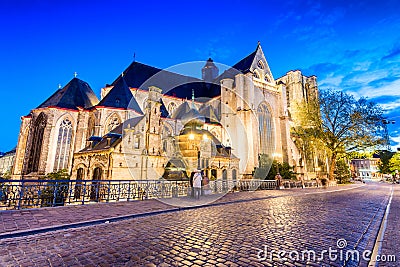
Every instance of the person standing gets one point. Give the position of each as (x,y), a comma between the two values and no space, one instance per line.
(197,184)
(191,189)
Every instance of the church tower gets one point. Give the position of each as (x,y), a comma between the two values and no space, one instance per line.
(209,71)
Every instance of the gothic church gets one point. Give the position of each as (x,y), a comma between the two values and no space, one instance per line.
(152,123)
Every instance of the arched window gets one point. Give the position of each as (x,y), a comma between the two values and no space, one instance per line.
(224,174)
(97,174)
(255,75)
(37,139)
(171,108)
(90,128)
(267,79)
(113,122)
(95,186)
(234,174)
(63,150)
(80,173)
(260,64)
(265,130)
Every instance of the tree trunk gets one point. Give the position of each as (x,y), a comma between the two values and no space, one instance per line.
(333,167)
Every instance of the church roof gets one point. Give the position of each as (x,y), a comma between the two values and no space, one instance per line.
(76,93)
(209,113)
(245,64)
(142,76)
(113,138)
(120,96)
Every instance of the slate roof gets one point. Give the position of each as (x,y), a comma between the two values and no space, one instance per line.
(120,96)
(245,64)
(209,114)
(76,93)
(115,136)
(142,76)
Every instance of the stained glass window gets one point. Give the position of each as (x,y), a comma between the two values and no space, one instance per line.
(113,122)
(265,130)
(63,151)
(37,139)
(171,108)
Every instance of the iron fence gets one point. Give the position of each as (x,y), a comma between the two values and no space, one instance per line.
(49,193)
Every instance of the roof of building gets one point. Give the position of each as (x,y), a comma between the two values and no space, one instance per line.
(76,93)
(120,96)
(210,64)
(113,138)
(245,64)
(142,76)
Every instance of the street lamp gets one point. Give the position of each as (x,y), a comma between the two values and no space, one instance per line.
(277,155)
(387,138)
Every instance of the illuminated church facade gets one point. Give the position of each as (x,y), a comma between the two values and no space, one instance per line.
(152,123)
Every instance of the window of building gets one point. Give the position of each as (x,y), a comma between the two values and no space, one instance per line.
(265,130)
(90,129)
(37,139)
(136,143)
(260,64)
(63,150)
(113,122)
(171,108)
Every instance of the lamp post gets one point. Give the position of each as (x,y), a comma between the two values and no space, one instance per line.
(387,138)
(278,177)
(276,157)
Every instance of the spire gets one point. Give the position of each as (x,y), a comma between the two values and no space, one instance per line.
(193,106)
(209,71)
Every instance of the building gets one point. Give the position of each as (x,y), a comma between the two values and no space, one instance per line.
(152,123)
(6,163)
(365,169)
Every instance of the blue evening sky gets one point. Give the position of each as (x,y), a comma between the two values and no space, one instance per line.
(351,45)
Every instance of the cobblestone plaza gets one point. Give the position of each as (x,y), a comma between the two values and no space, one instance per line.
(240,229)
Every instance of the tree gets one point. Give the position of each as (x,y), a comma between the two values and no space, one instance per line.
(341,123)
(54,193)
(384,163)
(394,162)
(285,170)
(342,172)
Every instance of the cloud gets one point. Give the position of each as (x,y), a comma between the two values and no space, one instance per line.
(394,54)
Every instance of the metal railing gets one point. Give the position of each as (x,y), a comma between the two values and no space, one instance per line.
(49,193)
(300,184)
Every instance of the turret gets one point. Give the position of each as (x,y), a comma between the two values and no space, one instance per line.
(209,71)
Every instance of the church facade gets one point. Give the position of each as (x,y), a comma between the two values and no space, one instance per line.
(152,123)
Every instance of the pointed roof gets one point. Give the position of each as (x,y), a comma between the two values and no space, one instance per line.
(244,65)
(76,93)
(209,113)
(138,75)
(115,136)
(120,96)
(250,62)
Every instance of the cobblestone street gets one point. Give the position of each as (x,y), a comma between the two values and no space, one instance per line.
(241,232)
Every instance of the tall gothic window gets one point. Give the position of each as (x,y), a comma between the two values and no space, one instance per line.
(265,130)
(37,140)
(63,150)
(113,122)
(90,128)
(171,108)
